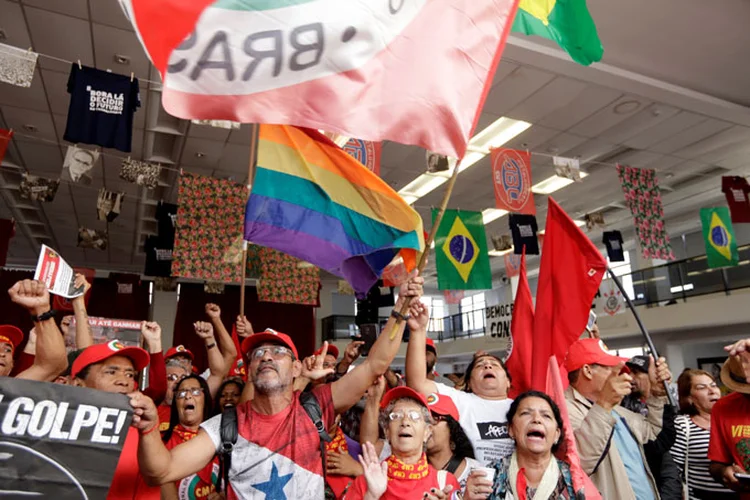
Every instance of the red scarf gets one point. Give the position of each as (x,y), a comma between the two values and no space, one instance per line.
(410,472)
(338,444)
(521,484)
(182,434)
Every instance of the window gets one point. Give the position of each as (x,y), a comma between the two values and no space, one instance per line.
(629,352)
(623,270)
(436,306)
(472,312)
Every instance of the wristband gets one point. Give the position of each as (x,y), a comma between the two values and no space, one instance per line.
(211,345)
(44,316)
(152,429)
(399,316)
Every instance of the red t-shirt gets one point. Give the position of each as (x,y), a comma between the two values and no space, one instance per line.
(730,432)
(276,455)
(127,483)
(164,412)
(410,487)
(736,189)
(200,484)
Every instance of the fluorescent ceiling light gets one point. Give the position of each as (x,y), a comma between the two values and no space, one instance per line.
(495,253)
(492,214)
(554,183)
(495,135)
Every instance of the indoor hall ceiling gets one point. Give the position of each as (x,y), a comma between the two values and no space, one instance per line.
(596,114)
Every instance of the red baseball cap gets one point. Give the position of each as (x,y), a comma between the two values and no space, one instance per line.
(430,345)
(11,335)
(402,392)
(442,405)
(179,350)
(332,350)
(268,336)
(99,352)
(590,352)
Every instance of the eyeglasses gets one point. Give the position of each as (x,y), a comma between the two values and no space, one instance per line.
(277,352)
(173,377)
(413,415)
(195,393)
(439,418)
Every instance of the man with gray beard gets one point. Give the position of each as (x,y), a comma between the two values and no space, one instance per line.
(277,453)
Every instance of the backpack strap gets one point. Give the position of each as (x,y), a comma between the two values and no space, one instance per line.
(312,407)
(442,477)
(229,431)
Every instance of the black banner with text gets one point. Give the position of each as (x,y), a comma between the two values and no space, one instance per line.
(58,441)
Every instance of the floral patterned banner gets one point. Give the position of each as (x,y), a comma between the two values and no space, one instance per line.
(287,280)
(643,198)
(210,219)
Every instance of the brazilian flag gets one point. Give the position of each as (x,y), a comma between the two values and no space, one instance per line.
(721,245)
(461,251)
(566,22)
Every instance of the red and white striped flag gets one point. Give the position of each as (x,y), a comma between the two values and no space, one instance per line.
(414,71)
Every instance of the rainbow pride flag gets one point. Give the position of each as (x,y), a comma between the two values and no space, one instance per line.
(313,201)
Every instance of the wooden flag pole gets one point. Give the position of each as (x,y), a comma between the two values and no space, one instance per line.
(253,160)
(435,225)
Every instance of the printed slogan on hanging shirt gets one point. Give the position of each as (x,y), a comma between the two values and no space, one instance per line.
(105,102)
(67,438)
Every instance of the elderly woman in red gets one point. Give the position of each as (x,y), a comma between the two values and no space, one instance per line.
(406,474)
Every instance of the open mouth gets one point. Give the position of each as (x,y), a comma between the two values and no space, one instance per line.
(189,407)
(488,375)
(536,434)
(228,404)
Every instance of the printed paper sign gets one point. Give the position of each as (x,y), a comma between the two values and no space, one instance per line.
(497,324)
(106,329)
(68,439)
(54,272)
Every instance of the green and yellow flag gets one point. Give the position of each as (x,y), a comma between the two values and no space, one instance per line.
(721,245)
(461,252)
(566,22)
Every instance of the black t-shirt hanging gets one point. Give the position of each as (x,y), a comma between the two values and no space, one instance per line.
(166,216)
(523,228)
(101,108)
(613,241)
(158,257)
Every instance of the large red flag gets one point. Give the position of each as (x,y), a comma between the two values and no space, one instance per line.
(338,65)
(568,451)
(569,276)
(522,331)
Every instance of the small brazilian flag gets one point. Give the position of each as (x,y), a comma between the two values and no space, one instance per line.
(461,251)
(566,22)
(721,245)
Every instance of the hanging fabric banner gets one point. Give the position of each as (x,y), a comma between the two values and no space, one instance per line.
(511,177)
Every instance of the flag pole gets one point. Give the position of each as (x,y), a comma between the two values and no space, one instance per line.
(435,225)
(645,333)
(253,160)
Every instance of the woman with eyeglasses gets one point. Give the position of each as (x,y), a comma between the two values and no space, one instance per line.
(406,474)
(191,405)
(697,393)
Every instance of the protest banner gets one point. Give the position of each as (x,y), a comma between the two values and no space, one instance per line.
(59,441)
(62,304)
(54,272)
(106,329)
(497,324)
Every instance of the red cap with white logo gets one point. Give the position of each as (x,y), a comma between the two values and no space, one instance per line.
(100,352)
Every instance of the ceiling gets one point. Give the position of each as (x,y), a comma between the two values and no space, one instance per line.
(668,95)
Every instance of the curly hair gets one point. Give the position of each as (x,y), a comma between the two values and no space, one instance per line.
(555,411)
(174,416)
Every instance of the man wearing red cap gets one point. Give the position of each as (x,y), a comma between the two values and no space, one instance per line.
(610,438)
(51,358)
(113,367)
(277,454)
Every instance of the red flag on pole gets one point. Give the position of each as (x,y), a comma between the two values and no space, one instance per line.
(522,331)
(568,451)
(569,276)
(238,367)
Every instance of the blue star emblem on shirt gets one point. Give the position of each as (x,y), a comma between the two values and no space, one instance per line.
(274,487)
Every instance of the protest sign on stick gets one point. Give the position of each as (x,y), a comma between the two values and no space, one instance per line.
(59,441)
(54,272)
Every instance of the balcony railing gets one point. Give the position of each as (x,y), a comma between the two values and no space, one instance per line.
(652,287)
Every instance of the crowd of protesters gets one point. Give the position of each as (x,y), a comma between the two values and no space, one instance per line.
(262,423)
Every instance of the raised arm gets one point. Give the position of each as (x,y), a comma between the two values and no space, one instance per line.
(216,364)
(226,344)
(369,429)
(347,390)
(51,358)
(416,364)
(84,337)
(351,354)
(157,464)
(157,369)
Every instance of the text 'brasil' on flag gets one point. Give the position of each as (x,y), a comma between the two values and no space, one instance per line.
(313,201)
(461,254)
(344,66)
